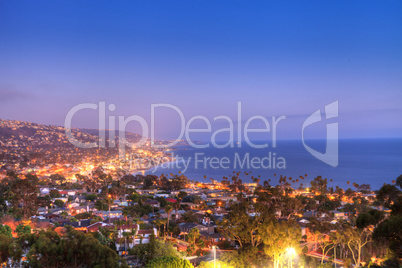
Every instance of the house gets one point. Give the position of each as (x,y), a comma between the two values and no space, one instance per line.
(109,214)
(95,226)
(152,203)
(206,221)
(79,199)
(59,221)
(42,210)
(57,210)
(213,238)
(338,214)
(220,212)
(42,225)
(63,193)
(73,205)
(120,203)
(113,220)
(171,200)
(44,191)
(164,215)
(226,199)
(303,225)
(68,193)
(161,195)
(51,216)
(179,213)
(207,232)
(80,225)
(123,243)
(127,229)
(309,214)
(71,192)
(191,205)
(64,199)
(206,228)
(143,236)
(79,209)
(185,227)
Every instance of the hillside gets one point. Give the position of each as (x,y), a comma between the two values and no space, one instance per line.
(25,143)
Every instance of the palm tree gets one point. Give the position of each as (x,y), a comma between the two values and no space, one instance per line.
(176,207)
(125,214)
(159,223)
(168,210)
(64,214)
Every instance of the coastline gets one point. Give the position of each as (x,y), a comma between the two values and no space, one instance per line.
(359,162)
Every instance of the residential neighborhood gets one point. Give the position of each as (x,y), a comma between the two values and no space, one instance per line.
(194,217)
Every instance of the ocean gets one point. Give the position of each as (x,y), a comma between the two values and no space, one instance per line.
(361,161)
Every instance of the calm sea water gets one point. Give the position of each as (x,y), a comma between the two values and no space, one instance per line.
(365,161)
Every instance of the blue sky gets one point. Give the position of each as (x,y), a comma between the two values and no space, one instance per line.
(276,57)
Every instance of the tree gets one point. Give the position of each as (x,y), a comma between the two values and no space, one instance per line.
(181,195)
(340,192)
(162,201)
(189,216)
(57,178)
(5,230)
(22,230)
(169,262)
(59,203)
(364,188)
(243,258)
(389,232)
(91,197)
(5,242)
(74,249)
(196,199)
(218,264)
(356,239)
(154,249)
(83,215)
(326,243)
(22,193)
(397,207)
(178,182)
(195,241)
(139,210)
(349,193)
(372,217)
(291,206)
(168,210)
(388,194)
(243,223)
(277,237)
(101,205)
(159,223)
(319,185)
(135,197)
(148,182)
(54,193)
(399,181)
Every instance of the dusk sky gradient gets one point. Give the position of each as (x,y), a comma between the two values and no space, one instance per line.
(276,57)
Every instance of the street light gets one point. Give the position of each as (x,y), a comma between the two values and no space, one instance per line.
(214,250)
(109,205)
(291,252)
